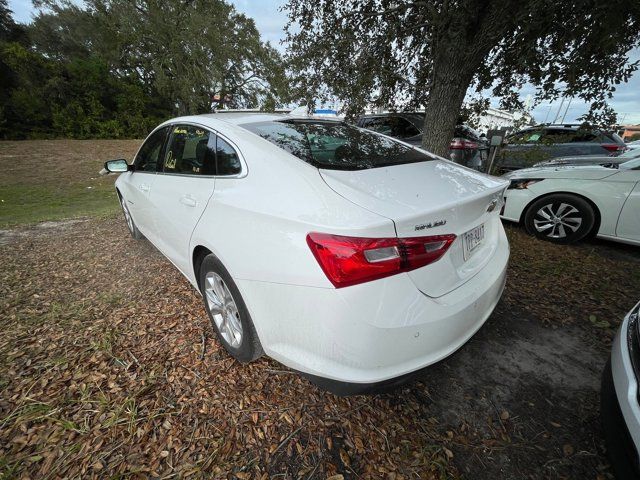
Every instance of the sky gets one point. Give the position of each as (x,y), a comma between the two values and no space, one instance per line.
(270,22)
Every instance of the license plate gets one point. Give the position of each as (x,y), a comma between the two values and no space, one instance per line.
(471,240)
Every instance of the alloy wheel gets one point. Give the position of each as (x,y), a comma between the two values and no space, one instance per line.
(557,220)
(224,310)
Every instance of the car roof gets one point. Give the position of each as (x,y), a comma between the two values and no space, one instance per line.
(387,114)
(238,118)
(219,119)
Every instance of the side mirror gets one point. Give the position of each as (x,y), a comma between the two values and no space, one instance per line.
(116,166)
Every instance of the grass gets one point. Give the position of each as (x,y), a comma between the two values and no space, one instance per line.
(48,180)
(22,204)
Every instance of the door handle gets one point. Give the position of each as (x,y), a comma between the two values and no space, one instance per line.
(188,200)
(144,187)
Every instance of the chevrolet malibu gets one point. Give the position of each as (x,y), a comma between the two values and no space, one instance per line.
(349,256)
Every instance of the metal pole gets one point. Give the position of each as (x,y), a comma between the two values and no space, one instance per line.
(559,110)
(493,157)
(566,110)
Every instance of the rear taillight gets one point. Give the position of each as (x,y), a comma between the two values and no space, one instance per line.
(613,147)
(351,260)
(462,144)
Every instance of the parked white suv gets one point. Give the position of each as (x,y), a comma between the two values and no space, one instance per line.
(344,254)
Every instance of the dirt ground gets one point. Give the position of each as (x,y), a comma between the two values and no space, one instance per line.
(108,369)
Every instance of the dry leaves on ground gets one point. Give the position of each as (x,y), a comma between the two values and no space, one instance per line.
(102,375)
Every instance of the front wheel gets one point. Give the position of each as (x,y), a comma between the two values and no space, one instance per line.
(133,229)
(228,313)
(560,218)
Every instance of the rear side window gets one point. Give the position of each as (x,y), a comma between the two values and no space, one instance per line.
(227,160)
(190,150)
(526,136)
(149,154)
(393,126)
(561,135)
(335,145)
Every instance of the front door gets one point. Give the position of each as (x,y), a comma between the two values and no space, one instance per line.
(142,178)
(182,190)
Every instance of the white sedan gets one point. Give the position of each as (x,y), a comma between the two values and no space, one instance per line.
(344,254)
(568,203)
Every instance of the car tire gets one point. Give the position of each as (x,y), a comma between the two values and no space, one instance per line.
(227,311)
(131,225)
(560,218)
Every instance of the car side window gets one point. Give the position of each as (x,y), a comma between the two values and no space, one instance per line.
(397,127)
(403,128)
(190,151)
(558,135)
(526,136)
(379,124)
(227,160)
(149,154)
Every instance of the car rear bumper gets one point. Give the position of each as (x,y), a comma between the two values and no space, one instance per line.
(373,332)
(620,409)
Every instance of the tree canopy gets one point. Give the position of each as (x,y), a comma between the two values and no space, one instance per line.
(115,68)
(410,54)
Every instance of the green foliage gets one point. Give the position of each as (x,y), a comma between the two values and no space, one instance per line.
(115,68)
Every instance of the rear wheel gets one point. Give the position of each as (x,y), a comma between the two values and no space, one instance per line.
(227,311)
(560,218)
(133,230)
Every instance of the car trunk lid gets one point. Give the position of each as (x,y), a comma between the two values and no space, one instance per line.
(432,198)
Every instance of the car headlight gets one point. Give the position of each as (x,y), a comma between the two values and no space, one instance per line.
(522,183)
(633,343)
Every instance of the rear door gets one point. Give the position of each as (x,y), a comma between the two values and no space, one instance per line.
(182,189)
(140,181)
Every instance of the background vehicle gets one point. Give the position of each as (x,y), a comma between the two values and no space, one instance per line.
(591,160)
(620,397)
(635,145)
(533,145)
(567,203)
(467,147)
(305,248)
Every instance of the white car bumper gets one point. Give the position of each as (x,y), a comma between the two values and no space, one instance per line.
(372,332)
(623,434)
(515,203)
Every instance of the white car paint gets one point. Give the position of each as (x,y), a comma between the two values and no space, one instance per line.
(615,192)
(256,223)
(624,379)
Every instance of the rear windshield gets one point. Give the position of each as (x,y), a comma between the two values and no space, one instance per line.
(335,145)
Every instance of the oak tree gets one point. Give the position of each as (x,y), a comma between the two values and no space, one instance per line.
(402,54)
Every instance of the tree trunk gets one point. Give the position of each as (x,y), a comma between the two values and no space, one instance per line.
(446,93)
